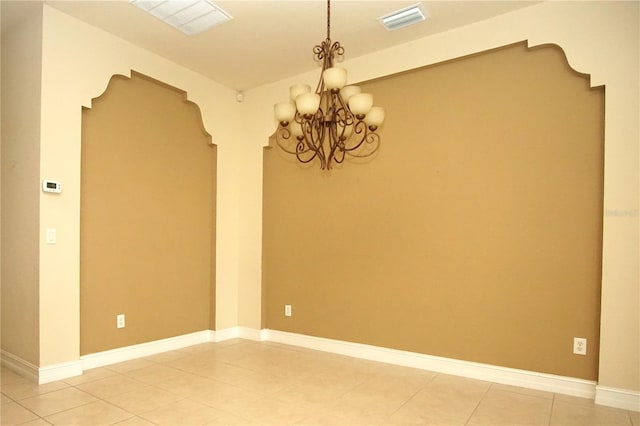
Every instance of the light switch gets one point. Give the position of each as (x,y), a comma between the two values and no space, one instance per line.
(52,235)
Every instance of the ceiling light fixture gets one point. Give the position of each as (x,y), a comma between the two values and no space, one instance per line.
(189,16)
(333,122)
(403,17)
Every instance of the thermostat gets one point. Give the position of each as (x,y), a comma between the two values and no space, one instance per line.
(51,186)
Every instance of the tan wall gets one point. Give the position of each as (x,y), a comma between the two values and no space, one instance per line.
(21,83)
(475,233)
(147,239)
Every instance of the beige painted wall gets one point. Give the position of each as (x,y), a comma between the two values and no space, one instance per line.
(21,75)
(147,216)
(599,38)
(476,231)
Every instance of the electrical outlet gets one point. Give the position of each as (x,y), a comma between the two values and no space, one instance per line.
(287,310)
(580,345)
(120,321)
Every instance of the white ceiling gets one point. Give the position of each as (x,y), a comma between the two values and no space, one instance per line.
(267,40)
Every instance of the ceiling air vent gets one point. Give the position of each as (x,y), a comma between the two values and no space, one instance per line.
(189,16)
(403,17)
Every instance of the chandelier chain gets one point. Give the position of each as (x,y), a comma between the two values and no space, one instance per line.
(328,19)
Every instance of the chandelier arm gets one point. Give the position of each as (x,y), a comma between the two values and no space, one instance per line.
(318,152)
(336,50)
(372,139)
(342,105)
(333,140)
(316,130)
(284,134)
(312,137)
(338,116)
(343,114)
(302,148)
(359,133)
(339,155)
(344,117)
(306,160)
(321,129)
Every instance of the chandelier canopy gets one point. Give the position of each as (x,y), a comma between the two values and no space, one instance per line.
(334,121)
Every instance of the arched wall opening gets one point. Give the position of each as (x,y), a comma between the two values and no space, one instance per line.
(147,216)
(474,234)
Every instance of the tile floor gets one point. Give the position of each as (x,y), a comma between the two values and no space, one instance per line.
(242,382)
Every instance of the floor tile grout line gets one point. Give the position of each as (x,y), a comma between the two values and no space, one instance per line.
(29,382)
(478,404)
(151,385)
(553,404)
(219,409)
(62,411)
(413,396)
(101,399)
(26,408)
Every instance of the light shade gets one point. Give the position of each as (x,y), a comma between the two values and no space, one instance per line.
(375,117)
(361,103)
(347,91)
(334,78)
(284,111)
(308,103)
(298,89)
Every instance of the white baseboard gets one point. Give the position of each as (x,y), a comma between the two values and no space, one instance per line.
(41,375)
(618,398)
(20,366)
(100,359)
(64,370)
(113,356)
(496,374)
(225,334)
(250,334)
(612,397)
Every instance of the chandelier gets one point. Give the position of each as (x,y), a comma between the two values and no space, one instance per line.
(333,122)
